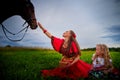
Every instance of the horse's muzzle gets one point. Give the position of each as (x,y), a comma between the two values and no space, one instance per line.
(33,27)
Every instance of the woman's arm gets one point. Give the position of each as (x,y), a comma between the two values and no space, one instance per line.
(44,30)
(74,61)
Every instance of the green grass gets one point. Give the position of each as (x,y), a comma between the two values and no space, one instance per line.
(25,64)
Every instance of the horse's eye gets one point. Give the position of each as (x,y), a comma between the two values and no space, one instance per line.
(27,5)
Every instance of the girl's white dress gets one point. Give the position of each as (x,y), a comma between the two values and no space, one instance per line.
(99,62)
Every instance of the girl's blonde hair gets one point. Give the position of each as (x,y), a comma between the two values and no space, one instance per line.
(104,50)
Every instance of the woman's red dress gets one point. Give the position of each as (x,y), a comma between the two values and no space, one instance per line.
(79,69)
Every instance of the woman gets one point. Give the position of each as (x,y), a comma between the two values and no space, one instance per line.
(70,65)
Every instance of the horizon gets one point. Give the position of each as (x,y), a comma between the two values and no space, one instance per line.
(29,47)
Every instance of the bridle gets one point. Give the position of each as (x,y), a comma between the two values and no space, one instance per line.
(29,20)
(24,29)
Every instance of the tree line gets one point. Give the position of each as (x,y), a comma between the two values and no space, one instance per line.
(110,49)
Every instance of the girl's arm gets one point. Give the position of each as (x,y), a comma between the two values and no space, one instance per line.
(44,30)
(93,57)
(111,67)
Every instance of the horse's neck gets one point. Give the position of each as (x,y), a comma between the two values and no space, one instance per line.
(5,17)
(8,9)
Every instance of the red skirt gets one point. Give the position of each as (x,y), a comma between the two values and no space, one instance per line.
(79,69)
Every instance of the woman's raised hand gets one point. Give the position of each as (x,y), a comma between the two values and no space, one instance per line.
(44,30)
(40,26)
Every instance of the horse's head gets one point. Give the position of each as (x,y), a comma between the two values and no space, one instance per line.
(28,13)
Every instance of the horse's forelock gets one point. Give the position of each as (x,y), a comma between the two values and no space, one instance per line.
(25,1)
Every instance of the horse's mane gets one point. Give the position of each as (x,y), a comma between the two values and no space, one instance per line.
(11,7)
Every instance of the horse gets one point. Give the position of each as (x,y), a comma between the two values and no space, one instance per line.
(23,8)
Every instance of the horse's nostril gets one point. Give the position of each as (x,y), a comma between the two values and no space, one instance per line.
(34,27)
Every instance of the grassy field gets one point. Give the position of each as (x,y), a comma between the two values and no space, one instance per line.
(25,64)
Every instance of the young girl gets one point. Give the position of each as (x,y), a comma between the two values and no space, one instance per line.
(101,59)
(70,65)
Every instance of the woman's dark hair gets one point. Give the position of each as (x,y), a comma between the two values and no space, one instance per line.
(73,38)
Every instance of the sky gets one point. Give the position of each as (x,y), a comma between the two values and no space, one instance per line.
(93,21)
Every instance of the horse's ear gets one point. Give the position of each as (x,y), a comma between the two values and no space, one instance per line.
(26,1)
